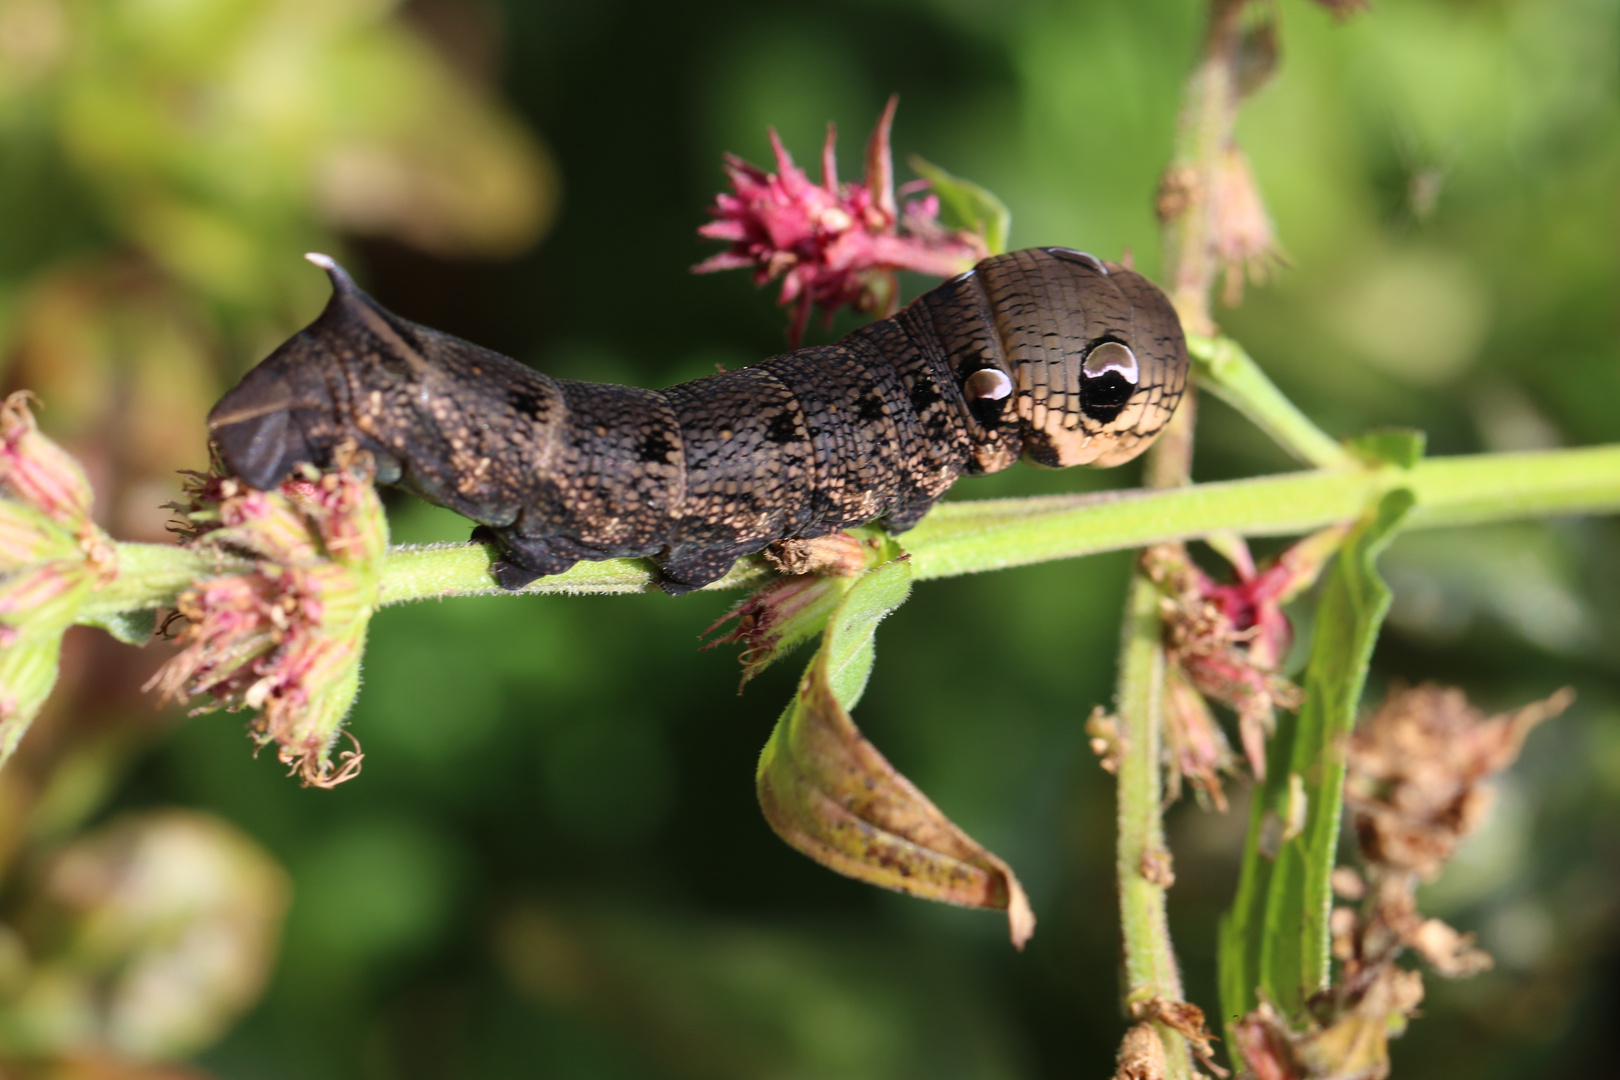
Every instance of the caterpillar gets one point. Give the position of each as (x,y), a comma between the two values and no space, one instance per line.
(1048,354)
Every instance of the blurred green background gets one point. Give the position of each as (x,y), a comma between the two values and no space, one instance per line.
(553,864)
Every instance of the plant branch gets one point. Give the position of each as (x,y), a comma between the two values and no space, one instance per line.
(969,537)
(1224,368)
(992,534)
(1187,203)
(152,576)
(1150,960)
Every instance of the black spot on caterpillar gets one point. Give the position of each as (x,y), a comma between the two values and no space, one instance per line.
(1046,353)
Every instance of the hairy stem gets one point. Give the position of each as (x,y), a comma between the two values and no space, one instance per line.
(969,537)
(992,534)
(1143,859)
(1189,208)
(1187,202)
(152,576)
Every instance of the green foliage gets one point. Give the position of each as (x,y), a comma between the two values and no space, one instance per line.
(1274,941)
(1402,449)
(968,205)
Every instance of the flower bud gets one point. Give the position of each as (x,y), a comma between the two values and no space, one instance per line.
(36,471)
(52,557)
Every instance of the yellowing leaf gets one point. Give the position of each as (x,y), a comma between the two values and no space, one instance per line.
(829,793)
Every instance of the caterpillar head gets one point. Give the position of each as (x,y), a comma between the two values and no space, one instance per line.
(1068,360)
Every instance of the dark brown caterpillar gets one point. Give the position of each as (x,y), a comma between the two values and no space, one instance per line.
(1046,352)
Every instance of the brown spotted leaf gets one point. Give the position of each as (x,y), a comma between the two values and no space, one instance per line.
(829,793)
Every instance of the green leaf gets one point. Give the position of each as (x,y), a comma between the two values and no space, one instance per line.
(1401,447)
(31,657)
(130,627)
(846,646)
(1274,941)
(829,793)
(966,205)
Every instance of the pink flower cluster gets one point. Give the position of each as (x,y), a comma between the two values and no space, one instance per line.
(832,243)
(1227,643)
(285,634)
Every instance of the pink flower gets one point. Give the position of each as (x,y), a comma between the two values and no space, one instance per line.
(1229,641)
(832,243)
(283,636)
(1195,747)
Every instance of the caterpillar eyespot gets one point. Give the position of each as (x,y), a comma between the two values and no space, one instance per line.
(987,384)
(1045,353)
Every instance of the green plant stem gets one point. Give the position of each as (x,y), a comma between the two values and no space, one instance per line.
(991,534)
(1150,961)
(426,572)
(1188,209)
(1225,369)
(152,576)
(1203,132)
(1143,859)
(970,537)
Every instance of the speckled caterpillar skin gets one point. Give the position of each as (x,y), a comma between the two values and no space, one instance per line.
(1046,353)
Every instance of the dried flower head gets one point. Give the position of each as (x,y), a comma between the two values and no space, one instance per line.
(1185,1019)
(1415,772)
(832,244)
(283,634)
(1412,785)
(1245,240)
(1195,747)
(1141,1055)
(1229,642)
(1352,1045)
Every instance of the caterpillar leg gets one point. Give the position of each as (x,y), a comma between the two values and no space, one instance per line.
(684,573)
(523,558)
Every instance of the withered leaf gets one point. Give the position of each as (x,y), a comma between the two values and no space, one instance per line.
(829,793)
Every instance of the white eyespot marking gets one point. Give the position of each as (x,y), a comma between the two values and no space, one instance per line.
(1081,257)
(987,384)
(1112,356)
(963,276)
